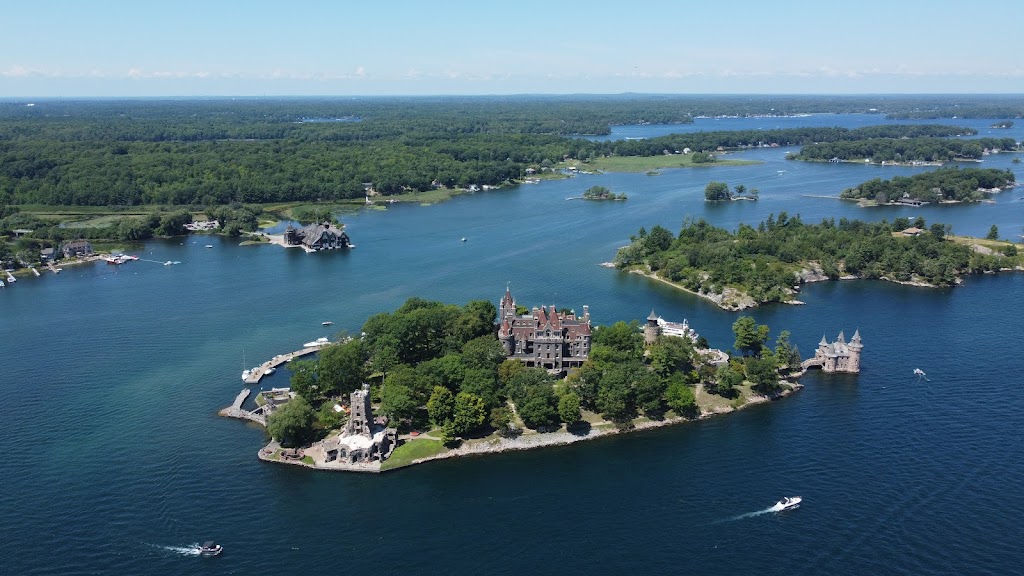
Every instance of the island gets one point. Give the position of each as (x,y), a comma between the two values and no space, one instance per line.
(768,263)
(1003,124)
(601,193)
(950,185)
(719,192)
(919,151)
(432,380)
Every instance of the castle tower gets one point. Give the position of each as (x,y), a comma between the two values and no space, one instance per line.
(651,329)
(853,364)
(507,306)
(362,414)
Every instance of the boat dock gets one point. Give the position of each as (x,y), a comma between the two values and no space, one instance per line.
(257,373)
(236,410)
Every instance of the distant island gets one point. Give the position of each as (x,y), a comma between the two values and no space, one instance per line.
(944,186)
(1003,124)
(904,151)
(753,266)
(432,380)
(719,192)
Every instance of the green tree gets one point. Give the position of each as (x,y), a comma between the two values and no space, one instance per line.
(993,233)
(750,337)
(670,354)
(398,402)
(342,367)
(441,406)
(617,343)
(615,398)
(499,418)
(649,391)
(327,418)
(470,413)
(762,372)
(304,381)
(716,191)
(724,382)
(539,407)
(569,407)
(483,353)
(292,424)
(680,398)
(787,355)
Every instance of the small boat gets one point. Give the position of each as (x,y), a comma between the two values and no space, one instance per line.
(2,284)
(245,374)
(269,371)
(788,503)
(210,548)
(168,263)
(209,245)
(463,238)
(327,323)
(322,341)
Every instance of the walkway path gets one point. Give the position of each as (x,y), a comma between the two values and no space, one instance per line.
(236,410)
(260,371)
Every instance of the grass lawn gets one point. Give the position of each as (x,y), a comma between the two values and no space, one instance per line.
(411,450)
(307,460)
(649,163)
(991,244)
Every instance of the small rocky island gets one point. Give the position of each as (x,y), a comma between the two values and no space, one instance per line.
(536,377)
(601,193)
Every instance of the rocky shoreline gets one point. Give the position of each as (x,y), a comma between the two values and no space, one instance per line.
(564,438)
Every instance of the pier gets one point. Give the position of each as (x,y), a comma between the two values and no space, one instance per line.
(257,373)
(236,410)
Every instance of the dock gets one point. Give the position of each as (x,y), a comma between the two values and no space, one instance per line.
(257,373)
(236,410)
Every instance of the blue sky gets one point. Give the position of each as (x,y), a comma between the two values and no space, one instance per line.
(307,47)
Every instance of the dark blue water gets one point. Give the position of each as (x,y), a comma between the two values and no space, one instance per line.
(115,457)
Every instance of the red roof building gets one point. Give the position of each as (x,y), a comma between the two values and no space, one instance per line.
(544,338)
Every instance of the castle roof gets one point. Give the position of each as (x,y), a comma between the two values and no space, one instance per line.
(653,316)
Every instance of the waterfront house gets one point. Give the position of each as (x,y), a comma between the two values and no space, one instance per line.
(47,255)
(77,248)
(317,237)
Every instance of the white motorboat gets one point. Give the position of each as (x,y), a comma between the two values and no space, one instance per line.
(210,548)
(322,341)
(327,323)
(788,503)
(245,374)
(269,371)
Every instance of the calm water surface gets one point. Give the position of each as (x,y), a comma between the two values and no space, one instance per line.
(116,459)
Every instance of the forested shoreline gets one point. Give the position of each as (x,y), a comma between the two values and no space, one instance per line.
(215,152)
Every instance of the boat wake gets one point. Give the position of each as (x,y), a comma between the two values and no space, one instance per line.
(769,510)
(191,550)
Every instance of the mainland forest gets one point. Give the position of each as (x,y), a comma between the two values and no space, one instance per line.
(218,151)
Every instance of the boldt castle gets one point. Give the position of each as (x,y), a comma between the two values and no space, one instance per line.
(544,338)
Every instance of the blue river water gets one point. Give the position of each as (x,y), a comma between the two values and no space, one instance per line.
(116,461)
